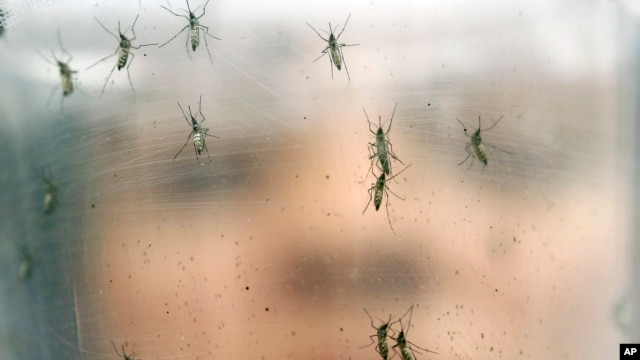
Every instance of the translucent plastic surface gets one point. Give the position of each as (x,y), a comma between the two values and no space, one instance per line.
(259,249)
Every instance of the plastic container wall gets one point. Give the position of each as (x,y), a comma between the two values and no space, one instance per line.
(260,249)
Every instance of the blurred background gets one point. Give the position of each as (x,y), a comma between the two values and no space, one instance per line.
(260,249)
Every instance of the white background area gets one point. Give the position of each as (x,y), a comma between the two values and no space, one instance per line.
(262,251)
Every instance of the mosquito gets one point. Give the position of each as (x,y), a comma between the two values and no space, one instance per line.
(26,263)
(382,147)
(379,188)
(476,143)
(406,351)
(50,197)
(381,336)
(198,131)
(334,49)
(194,29)
(124,355)
(66,74)
(123,51)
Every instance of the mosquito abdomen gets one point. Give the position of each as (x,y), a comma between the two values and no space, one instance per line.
(123,56)
(195,36)
(481,153)
(383,154)
(67,85)
(65,79)
(335,55)
(380,184)
(198,142)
